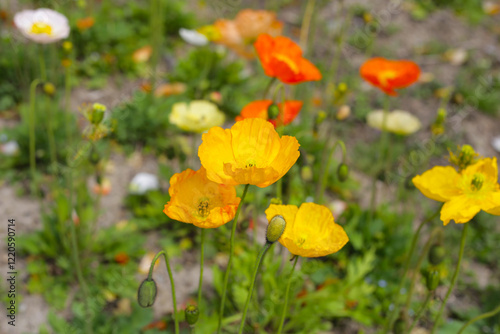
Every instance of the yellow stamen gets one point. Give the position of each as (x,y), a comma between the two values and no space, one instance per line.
(384,76)
(203,208)
(41,28)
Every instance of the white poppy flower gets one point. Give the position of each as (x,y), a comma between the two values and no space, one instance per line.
(9,148)
(143,182)
(193,37)
(42,25)
(398,121)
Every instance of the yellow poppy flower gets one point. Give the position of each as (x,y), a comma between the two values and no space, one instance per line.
(310,230)
(464,194)
(196,200)
(251,152)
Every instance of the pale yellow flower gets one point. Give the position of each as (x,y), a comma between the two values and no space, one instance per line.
(196,116)
(398,121)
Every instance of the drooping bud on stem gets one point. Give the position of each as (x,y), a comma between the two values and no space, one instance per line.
(436,254)
(432,279)
(343,172)
(146,295)
(275,229)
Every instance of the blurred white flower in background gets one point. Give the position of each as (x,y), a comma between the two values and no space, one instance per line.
(142,183)
(9,148)
(42,25)
(193,37)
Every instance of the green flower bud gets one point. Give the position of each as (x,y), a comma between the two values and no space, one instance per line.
(436,254)
(343,172)
(432,279)
(94,157)
(273,111)
(192,314)
(275,229)
(146,294)
(49,88)
(97,114)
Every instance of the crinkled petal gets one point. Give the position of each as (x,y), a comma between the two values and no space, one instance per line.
(287,156)
(461,209)
(214,152)
(439,183)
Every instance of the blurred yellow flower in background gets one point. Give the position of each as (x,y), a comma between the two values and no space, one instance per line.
(196,200)
(310,230)
(251,152)
(398,121)
(464,194)
(196,116)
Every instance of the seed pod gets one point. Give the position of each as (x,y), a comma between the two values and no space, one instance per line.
(192,313)
(275,229)
(436,254)
(343,172)
(146,295)
(432,279)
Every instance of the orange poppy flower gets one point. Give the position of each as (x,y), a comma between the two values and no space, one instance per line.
(251,152)
(196,200)
(122,258)
(85,23)
(259,109)
(282,58)
(390,74)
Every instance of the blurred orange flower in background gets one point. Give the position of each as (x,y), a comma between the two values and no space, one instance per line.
(85,23)
(142,55)
(282,58)
(259,109)
(389,75)
(251,152)
(240,34)
(196,200)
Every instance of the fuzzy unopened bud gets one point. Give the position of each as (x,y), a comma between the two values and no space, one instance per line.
(273,111)
(49,88)
(146,295)
(192,314)
(97,113)
(432,279)
(275,229)
(343,172)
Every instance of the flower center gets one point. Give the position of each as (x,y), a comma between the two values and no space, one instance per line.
(386,75)
(250,163)
(41,28)
(301,240)
(477,181)
(291,64)
(203,207)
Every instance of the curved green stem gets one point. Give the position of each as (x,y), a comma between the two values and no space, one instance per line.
(262,253)
(453,279)
(31,117)
(268,87)
(287,292)
(320,193)
(67,95)
(419,264)
(202,256)
(172,284)
(306,22)
(50,130)
(480,317)
(231,251)
(395,311)
(421,311)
